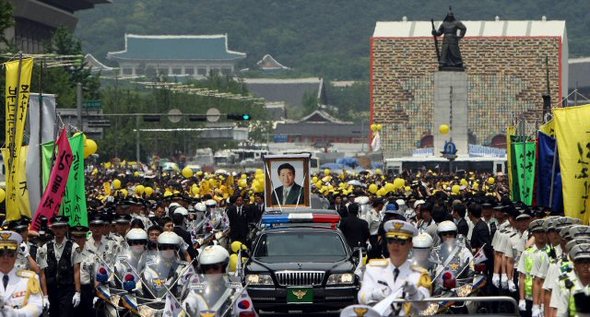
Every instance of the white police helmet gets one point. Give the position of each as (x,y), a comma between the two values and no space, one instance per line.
(200,207)
(210,203)
(213,255)
(422,241)
(181,210)
(136,234)
(168,237)
(446,226)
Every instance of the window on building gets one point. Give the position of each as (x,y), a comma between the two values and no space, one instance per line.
(189,71)
(202,71)
(127,71)
(226,70)
(162,71)
(215,71)
(176,71)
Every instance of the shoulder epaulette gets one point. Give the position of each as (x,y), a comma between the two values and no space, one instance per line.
(25,273)
(419,269)
(378,262)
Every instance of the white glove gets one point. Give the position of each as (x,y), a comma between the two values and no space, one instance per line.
(76,299)
(46,302)
(504,281)
(369,246)
(94,301)
(511,286)
(380,293)
(412,292)
(496,280)
(536,311)
(522,305)
(24,247)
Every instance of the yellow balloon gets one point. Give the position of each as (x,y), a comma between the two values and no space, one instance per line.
(327,172)
(399,183)
(243,176)
(199,173)
(314,179)
(491,181)
(373,188)
(408,188)
(187,172)
(374,127)
(381,192)
(259,171)
(90,147)
(233,262)
(148,191)
(456,189)
(379,127)
(2,195)
(464,182)
(167,193)
(444,129)
(243,183)
(124,192)
(139,189)
(378,172)
(116,184)
(389,187)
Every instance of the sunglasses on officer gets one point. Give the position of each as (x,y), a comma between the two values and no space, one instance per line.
(212,267)
(7,252)
(396,241)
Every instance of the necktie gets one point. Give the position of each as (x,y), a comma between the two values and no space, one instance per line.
(5,281)
(239,211)
(285,194)
(395,274)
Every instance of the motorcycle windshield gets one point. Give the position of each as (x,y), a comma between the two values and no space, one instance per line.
(155,273)
(211,294)
(125,264)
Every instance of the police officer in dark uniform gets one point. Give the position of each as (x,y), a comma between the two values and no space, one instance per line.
(57,259)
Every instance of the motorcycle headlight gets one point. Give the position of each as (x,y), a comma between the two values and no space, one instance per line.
(259,279)
(341,279)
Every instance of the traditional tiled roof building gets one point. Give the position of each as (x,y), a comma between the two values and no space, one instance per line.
(320,128)
(176,55)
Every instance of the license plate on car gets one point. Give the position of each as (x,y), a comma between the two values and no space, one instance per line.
(299,295)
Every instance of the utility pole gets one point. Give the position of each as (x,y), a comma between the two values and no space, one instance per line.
(137,155)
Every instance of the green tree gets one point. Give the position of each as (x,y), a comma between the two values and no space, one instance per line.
(6,21)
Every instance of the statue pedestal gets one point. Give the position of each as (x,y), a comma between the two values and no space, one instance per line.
(450,96)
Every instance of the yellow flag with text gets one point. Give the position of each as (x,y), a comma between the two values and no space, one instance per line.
(21,207)
(18,88)
(572,131)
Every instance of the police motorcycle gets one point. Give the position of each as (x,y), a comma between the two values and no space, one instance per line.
(144,283)
(214,292)
(211,226)
(454,272)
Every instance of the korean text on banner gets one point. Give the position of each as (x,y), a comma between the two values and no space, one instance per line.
(22,206)
(524,157)
(74,201)
(572,131)
(52,197)
(18,84)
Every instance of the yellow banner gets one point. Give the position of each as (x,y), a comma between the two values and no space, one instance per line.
(18,87)
(21,206)
(548,128)
(572,131)
(510,131)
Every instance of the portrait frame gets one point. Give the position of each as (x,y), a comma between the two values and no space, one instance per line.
(298,196)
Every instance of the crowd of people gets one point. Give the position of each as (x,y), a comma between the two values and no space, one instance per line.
(424,232)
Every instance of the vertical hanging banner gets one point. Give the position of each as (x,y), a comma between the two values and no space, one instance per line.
(524,159)
(572,131)
(74,201)
(42,130)
(510,132)
(22,206)
(52,197)
(549,192)
(46,160)
(18,84)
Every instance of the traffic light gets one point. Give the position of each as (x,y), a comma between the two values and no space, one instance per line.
(239,116)
(151,118)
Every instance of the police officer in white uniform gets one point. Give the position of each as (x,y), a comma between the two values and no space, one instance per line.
(20,291)
(396,275)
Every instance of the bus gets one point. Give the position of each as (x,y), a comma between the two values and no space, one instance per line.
(396,166)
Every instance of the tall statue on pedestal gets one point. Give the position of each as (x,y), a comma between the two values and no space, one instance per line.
(453,30)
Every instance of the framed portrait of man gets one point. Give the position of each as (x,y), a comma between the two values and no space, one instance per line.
(287,182)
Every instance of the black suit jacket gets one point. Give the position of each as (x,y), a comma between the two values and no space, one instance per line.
(295,194)
(255,213)
(186,236)
(356,231)
(481,235)
(238,223)
(342,210)
(463,227)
